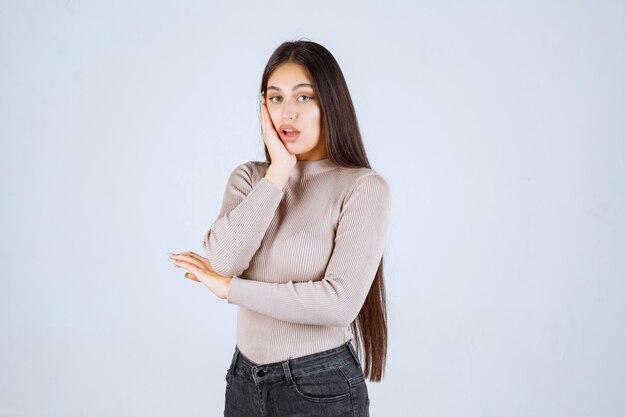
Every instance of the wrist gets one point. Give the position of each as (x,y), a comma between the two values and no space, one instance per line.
(278,175)
(228,281)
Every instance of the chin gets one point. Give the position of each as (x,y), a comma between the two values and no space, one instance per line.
(296,147)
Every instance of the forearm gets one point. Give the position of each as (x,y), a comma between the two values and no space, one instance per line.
(232,241)
(309,302)
(336,299)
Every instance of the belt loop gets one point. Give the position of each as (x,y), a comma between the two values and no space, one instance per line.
(353,352)
(288,375)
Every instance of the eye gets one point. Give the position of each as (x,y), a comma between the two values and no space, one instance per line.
(308,98)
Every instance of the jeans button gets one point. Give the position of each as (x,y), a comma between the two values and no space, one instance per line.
(260,372)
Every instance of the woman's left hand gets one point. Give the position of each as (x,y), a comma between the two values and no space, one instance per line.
(201,270)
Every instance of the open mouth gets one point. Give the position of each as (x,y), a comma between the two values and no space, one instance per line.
(290,133)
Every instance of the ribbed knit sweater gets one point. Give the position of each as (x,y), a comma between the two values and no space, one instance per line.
(302,258)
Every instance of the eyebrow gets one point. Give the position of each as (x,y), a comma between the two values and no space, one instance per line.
(273,87)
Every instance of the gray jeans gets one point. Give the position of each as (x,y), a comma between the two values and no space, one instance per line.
(328,383)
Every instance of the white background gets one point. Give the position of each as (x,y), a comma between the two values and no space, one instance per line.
(498,125)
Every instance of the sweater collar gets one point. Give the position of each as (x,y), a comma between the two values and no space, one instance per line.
(312,167)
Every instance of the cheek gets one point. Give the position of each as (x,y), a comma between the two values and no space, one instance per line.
(315,119)
(273,116)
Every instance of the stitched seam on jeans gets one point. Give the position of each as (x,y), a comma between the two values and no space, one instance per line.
(352,400)
(318,399)
(260,401)
(321,368)
(272,399)
(357,378)
(322,399)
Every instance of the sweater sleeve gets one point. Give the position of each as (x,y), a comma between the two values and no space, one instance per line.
(244,217)
(336,299)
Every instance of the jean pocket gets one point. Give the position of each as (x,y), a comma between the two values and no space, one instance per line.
(327,385)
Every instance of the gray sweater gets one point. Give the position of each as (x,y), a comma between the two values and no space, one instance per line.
(302,258)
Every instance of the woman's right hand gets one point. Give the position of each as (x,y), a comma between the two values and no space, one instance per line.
(277,150)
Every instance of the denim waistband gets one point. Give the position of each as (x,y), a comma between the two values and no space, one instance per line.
(297,366)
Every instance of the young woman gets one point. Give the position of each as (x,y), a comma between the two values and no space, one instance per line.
(298,246)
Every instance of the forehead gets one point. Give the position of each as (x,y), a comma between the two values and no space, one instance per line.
(288,75)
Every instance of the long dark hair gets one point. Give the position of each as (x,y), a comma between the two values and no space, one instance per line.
(345,148)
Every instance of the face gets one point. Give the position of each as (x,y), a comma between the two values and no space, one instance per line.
(291,100)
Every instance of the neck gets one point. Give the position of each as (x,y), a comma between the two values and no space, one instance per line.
(311,167)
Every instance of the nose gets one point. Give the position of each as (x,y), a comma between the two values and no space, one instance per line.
(289,110)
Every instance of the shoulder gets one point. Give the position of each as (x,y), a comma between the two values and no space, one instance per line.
(250,171)
(367,183)
(363,178)
(251,166)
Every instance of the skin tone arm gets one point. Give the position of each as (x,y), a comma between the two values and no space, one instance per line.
(278,173)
